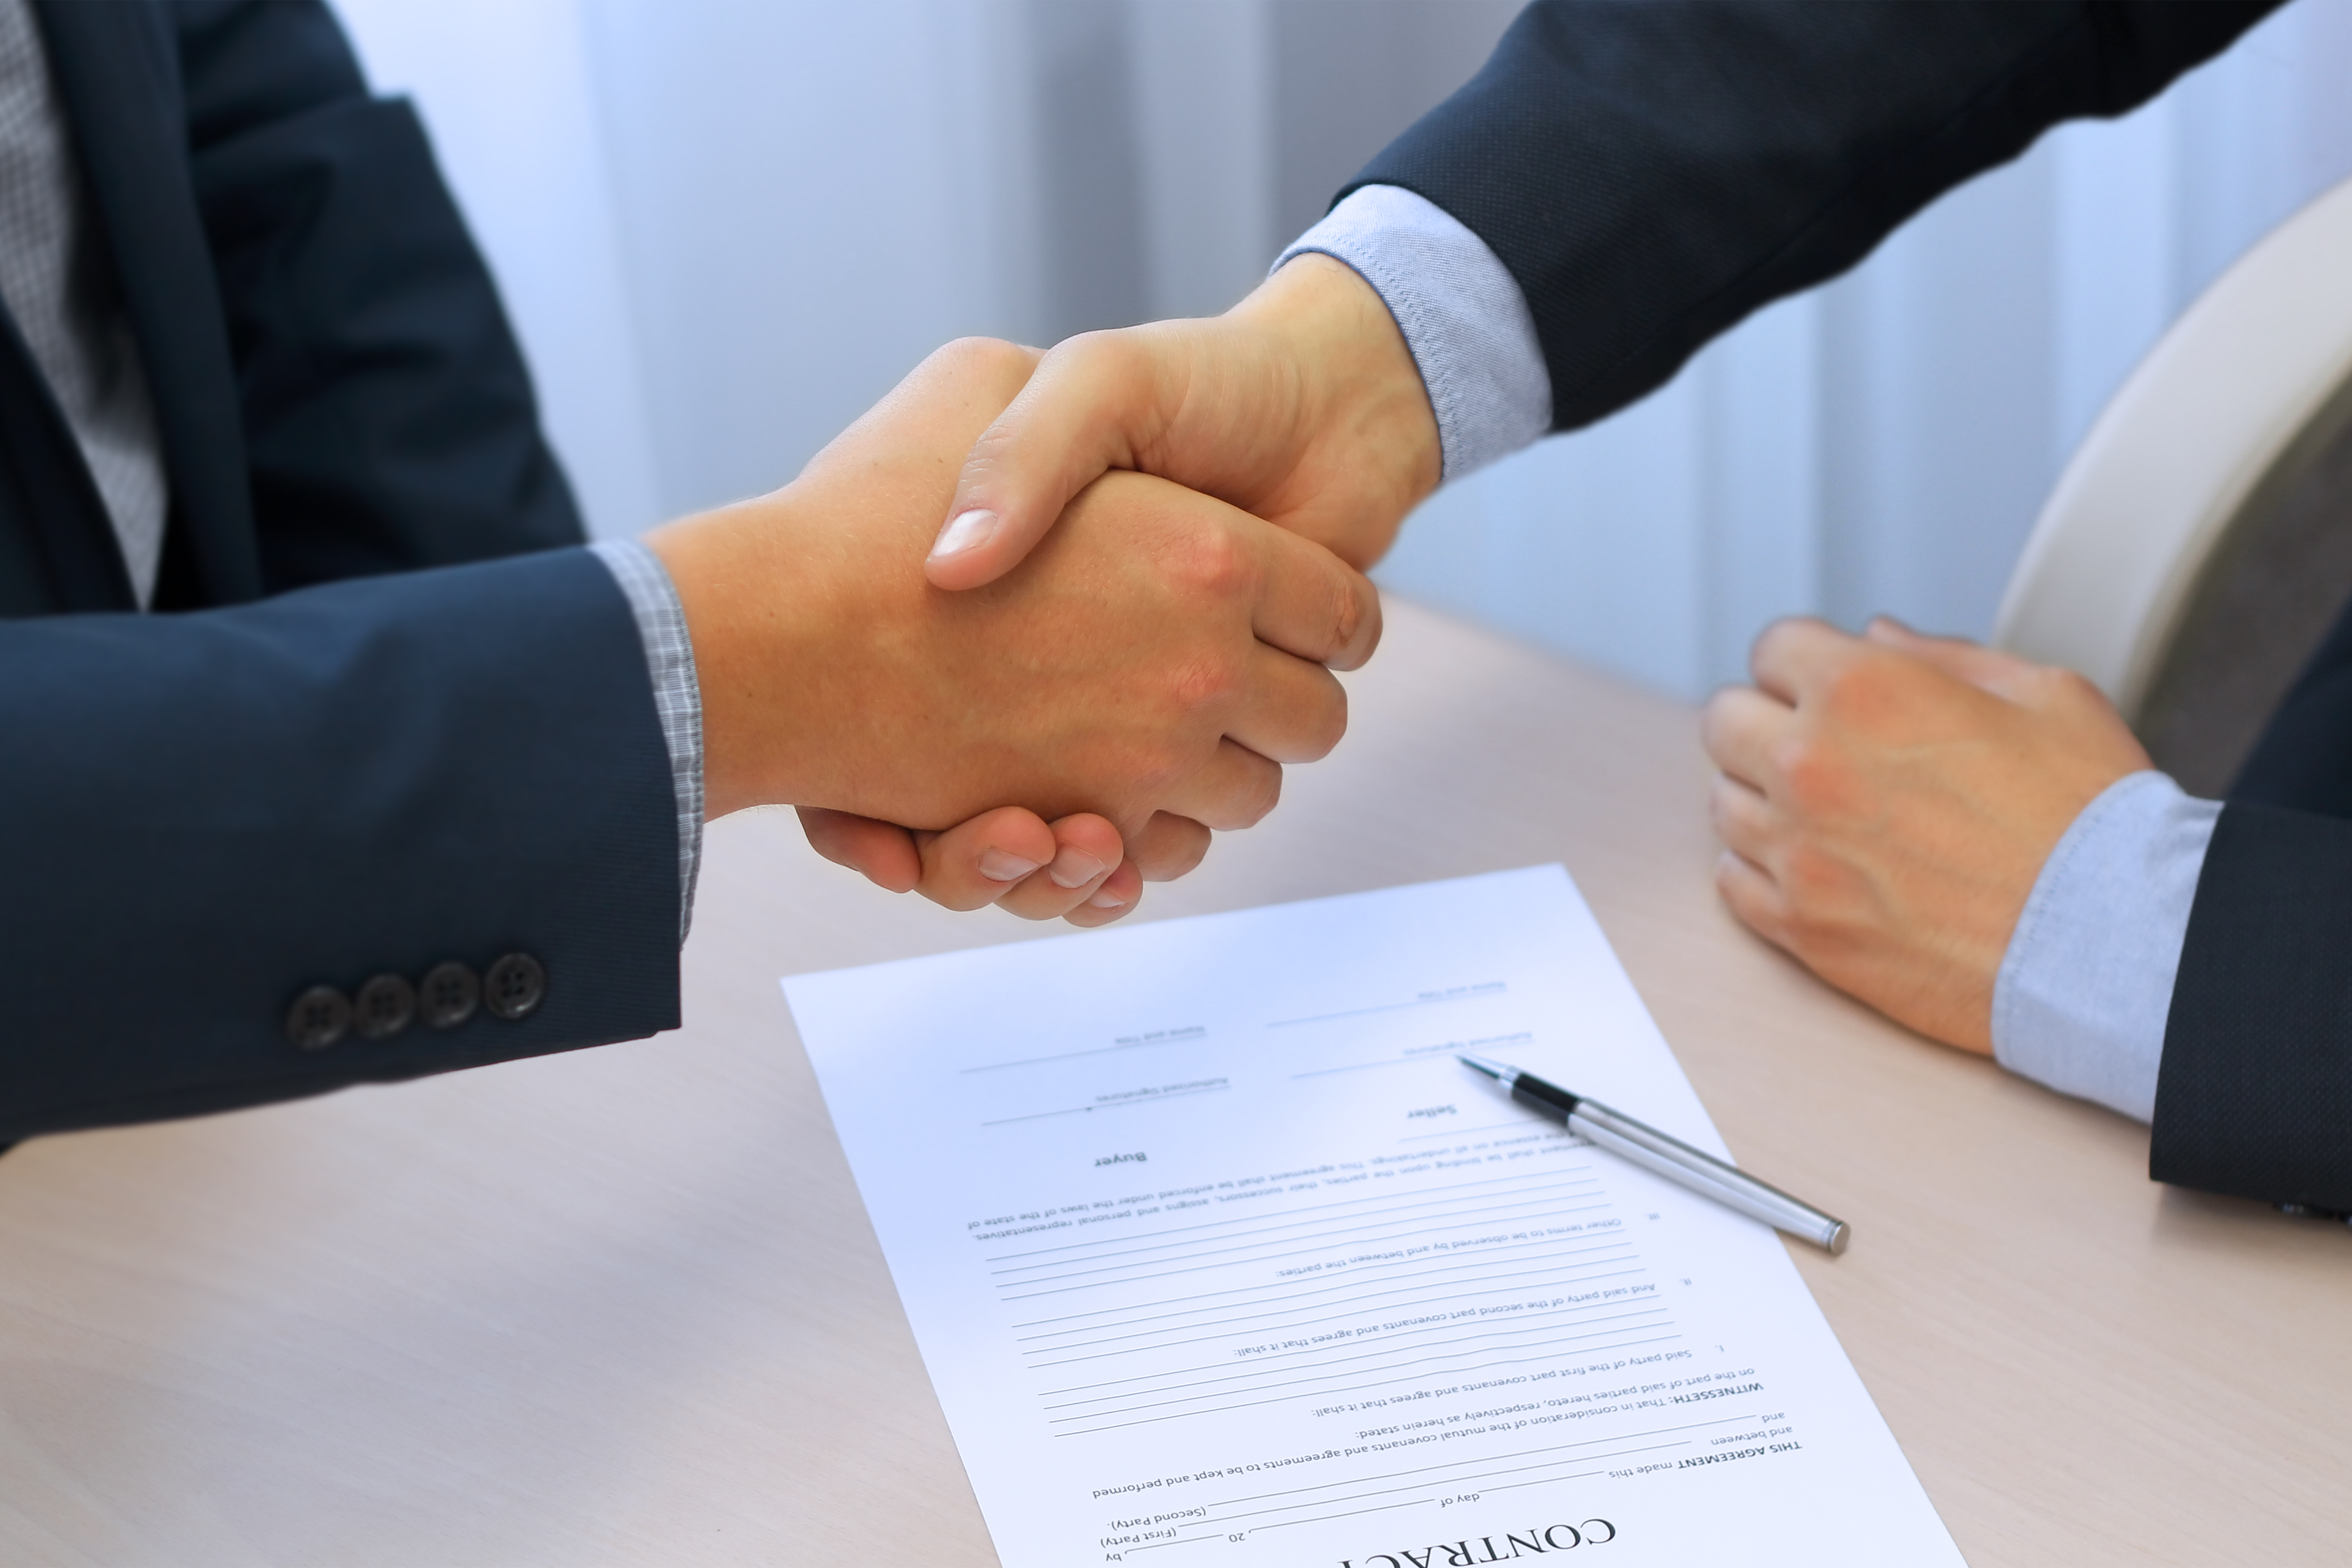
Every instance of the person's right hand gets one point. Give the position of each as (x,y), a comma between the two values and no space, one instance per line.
(1076,868)
(1301,404)
(1161,653)
(1887,802)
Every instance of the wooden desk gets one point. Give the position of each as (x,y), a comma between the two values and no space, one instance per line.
(623,1307)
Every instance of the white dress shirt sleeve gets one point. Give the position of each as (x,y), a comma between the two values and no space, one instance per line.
(2086,985)
(1462,314)
(677,694)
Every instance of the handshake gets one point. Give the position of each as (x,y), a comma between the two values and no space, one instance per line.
(1035,625)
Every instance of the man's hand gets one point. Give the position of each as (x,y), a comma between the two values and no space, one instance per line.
(1301,404)
(1076,868)
(1887,802)
(1156,660)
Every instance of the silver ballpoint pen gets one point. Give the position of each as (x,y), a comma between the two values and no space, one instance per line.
(1669,1157)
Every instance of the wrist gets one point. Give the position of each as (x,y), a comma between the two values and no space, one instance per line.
(1358,392)
(752,623)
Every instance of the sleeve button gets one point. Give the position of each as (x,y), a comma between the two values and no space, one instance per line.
(384,1006)
(515,987)
(448,996)
(318,1018)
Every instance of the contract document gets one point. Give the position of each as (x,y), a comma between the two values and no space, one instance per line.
(1217,1256)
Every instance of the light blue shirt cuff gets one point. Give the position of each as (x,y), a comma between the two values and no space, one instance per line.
(677,694)
(2086,985)
(1462,314)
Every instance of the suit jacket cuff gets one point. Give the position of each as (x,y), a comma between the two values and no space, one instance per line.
(1462,316)
(364,782)
(2255,1097)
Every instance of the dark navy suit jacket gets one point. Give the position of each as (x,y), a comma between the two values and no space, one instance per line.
(383,719)
(1652,171)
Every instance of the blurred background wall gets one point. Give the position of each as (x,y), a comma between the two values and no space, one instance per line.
(725,226)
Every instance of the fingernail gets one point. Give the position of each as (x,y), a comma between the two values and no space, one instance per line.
(1107,899)
(965,530)
(1074,869)
(998,866)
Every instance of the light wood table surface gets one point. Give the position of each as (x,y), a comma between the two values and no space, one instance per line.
(622,1306)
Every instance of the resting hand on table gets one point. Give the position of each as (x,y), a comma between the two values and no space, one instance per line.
(1136,684)
(1887,802)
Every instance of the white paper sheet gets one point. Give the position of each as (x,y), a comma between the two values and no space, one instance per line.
(1217,1256)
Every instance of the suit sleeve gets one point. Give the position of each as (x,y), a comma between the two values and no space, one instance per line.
(203,816)
(1652,171)
(2255,1095)
(388,417)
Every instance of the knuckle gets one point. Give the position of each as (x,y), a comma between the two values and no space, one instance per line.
(2071,688)
(1854,687)
(1869,695)
(1814,778)
(1724,806)
(1753,899)
(1311,728)
(1212,564)
(1808,875)
(1775,641)
(1114,362)
(1816,891)
(985,355)
(1111,348)
(1371,624)
(1258,796)
(1156,767)
(1242,795)
(1347,618)
(1183,860)
(1330,723)
(1714,720)
(1205,684)
(1804,932)
(1178,863)
(1170,847)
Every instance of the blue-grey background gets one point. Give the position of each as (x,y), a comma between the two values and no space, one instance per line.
(725,226)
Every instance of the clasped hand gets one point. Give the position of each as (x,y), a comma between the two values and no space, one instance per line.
(1134,684)
(1127,661)
(1301,407)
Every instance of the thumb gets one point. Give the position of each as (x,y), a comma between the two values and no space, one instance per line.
(1092,403)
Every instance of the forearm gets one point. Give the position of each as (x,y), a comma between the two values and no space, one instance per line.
(1651,173)
(214,813)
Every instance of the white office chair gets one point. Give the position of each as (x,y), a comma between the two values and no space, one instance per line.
(2199,543)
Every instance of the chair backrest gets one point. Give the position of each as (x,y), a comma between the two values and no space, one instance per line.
(2201,540)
